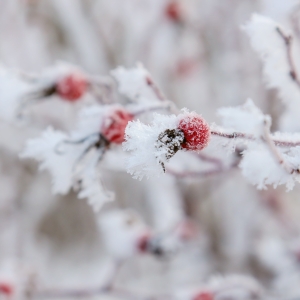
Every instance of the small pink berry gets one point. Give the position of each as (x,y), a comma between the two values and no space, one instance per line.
(205,295)
(72,87)
(114,125)
(6,289)
(196,132)
(173,11)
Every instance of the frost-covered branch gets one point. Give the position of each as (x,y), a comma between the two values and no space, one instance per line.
(288,39)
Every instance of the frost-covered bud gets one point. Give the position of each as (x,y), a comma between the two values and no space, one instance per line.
(196,131)
(72,87)
(173,11)
(114,125)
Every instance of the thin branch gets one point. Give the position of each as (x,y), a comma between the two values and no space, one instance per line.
(210,159)
(288,39)
(278,156)
(165,106)
(246,136)
(207,173)
(159,94)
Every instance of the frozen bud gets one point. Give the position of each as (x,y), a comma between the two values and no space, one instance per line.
(173,11)
(196,131)
(171,140)
(72,87)
(114,125)
(204,295)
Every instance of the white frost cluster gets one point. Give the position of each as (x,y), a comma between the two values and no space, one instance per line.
(267,42)
(259,164)
(133,83)
(141,141)
(260,167)
(121,232)
(12,92)
(246,118)
(71,159)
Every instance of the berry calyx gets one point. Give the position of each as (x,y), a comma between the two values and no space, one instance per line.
(114,125)
(6,289)
(205,295)
(72,87)
(196,132)
(173,11)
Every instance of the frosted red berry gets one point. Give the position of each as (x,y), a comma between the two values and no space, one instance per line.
(196,132)
(6,289)
(72,87)
(114,125)
(205,295)
(173,11)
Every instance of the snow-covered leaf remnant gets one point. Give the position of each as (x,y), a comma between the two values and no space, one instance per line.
(277,47)
(72,159)
(267,41)
(261,168)
(246,118)
(135,84)
(70,163)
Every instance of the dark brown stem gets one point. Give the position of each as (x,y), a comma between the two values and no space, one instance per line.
(288,39)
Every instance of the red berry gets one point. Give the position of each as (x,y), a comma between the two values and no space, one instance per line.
(173,11)
(196,132)
(143,242)
(6,289)
(114,125)
(72,86)
(205,295)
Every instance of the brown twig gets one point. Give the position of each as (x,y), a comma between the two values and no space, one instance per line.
(288,39)
(246,136)
(277,154)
